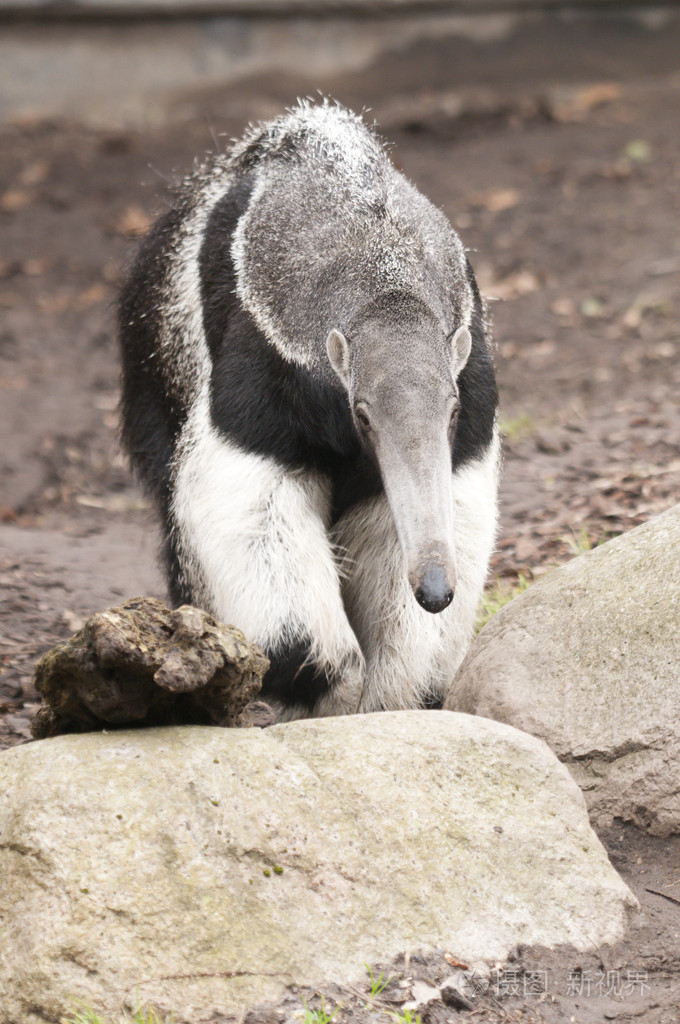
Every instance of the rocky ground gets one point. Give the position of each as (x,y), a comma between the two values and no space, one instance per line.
(563,178)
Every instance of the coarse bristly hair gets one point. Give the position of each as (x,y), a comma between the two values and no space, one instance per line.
(274,515)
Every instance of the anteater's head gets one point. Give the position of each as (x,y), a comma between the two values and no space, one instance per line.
(400,366)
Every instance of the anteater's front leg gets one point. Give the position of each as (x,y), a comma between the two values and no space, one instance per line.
(252,547)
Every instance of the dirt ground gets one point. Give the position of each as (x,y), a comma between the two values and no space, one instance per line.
(557,159)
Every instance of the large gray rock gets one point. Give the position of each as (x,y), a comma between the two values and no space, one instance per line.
(589,660)
(202,869)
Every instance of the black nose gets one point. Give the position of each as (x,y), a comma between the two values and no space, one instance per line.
(434,592)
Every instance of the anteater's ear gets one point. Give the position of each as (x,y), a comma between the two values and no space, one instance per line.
(338,353)
(460,343)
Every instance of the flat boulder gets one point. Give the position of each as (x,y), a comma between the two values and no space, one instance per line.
(203,870)
(588,659)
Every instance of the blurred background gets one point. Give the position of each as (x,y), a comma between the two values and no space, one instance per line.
(548,133)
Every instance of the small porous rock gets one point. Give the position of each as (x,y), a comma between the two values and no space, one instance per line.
(142,663)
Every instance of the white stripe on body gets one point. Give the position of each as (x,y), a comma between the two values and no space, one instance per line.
(185,357)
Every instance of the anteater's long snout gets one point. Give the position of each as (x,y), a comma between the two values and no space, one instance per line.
(419,488)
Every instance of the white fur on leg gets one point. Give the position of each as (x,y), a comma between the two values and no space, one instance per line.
(475,495)
(254,547)
(411,654)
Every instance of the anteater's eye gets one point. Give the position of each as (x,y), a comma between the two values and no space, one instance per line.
(362,418)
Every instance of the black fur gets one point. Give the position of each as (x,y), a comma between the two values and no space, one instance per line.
(478,396)
(151,413)
(291,680)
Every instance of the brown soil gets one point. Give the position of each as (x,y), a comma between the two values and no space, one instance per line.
(567,190)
